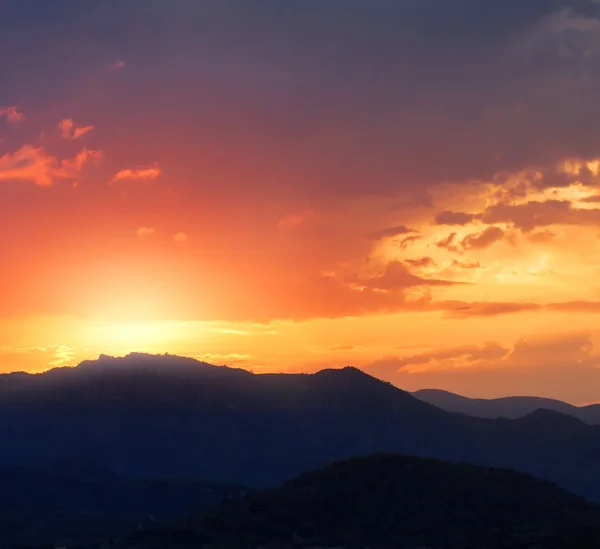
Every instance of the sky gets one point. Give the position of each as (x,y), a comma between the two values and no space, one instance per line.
(408,186)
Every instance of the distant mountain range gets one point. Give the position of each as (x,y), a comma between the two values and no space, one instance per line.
(165,416)
(513,407)
(392,501)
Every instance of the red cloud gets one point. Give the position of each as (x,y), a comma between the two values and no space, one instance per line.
(290,221)
(34,164)
(131,174)
(69,130)
(12,114)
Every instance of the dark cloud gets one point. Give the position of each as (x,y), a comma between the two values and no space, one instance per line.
(396,276)
(527,216)
(454,218)
(479,240)
(466,264)
(485,308)
(340,97)
(390,232)
(448,242)
(405,242)
(535,214)
(483,239)
(421,262)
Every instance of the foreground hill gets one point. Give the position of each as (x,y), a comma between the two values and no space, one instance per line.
(391,501)
(163,416)
(72,503)
(513,407)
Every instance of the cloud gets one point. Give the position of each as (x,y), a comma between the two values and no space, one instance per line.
(454,218)
(293,220)
(145,231)
(30,359)
(341,348)
(75,165)
(35,164)
(480,240)
(542,237)
(497,370)
(469,355)
(449,243)
(69,130)
(580,306)
(535,213)
(396,276)
(236,359)
(458,309)
(133,174)
(180,237)
(544,354)
(464,309)
(119,64)
(466,264)
(407,241)
(390,232)
(421,262)
(12,114)
(484,239)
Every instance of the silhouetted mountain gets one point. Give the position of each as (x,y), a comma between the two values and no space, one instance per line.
(163,416)
(509,407)
(388,501)
(53,504)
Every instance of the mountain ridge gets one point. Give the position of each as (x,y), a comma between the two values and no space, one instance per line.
(511,407)
(388,500)
(161,417)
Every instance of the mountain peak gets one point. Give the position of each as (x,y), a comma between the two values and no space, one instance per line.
(138,361)
(551,420)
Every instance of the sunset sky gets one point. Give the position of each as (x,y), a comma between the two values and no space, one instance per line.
(408,186)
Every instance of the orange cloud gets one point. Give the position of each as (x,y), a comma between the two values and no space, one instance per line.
(467,354)
(118,65)
(180,237)
(494,370)
(69,130)
(293,220)
(12,114)
(145,231)
(34,164)
(37,358)
(132,174)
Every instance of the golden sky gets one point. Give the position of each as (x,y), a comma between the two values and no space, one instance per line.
(249,188)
